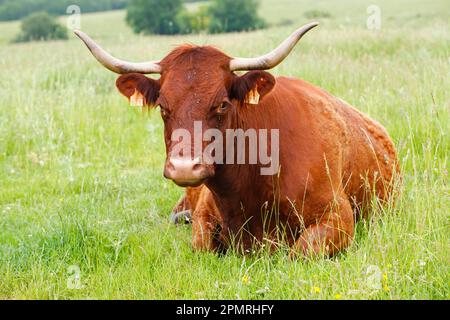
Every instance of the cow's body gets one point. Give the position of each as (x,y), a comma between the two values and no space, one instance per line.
(330,153)
(333,160)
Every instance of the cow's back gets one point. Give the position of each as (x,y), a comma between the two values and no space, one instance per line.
(332,142)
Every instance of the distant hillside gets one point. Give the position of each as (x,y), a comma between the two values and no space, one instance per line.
(16,9)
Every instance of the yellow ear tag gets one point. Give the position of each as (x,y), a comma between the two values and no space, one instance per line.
(137,99)
(252,97)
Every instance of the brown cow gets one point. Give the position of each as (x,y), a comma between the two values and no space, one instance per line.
(333,160)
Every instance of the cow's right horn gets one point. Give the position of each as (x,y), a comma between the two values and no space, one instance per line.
(114,64)
(272,59)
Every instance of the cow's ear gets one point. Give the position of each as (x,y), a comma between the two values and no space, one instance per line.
(251,87)
(140,90)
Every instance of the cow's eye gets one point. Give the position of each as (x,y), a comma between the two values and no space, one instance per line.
(222,107)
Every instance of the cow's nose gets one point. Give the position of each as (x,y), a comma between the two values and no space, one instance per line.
(186,172)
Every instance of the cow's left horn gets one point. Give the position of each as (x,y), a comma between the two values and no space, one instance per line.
(273,58)
(114,64)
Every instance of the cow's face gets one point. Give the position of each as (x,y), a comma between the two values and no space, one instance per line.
(197,88)
(199,98)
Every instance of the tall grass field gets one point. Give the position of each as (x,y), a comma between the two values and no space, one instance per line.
(84,206)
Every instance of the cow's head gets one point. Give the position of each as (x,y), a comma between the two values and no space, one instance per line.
(197,90)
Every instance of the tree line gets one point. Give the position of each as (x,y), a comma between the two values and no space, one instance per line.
(171,17)
(151,17)
(17,9)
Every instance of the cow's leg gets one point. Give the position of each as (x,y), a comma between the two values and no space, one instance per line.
(181,213)
(205,230)
(330,235)
(206,223)
(181,217)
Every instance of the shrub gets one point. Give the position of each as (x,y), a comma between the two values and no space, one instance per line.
(41,26)
(194,22)
(154,16)
(16,9)
(234,15)
(315,14)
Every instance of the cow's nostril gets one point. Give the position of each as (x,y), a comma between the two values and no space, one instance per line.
(170,166)
(185,171)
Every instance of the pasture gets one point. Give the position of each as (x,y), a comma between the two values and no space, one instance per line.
(84,207)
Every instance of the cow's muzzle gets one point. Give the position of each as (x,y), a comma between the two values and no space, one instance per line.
(187,172)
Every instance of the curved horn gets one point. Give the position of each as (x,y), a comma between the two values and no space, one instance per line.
(114,64)
(273,58)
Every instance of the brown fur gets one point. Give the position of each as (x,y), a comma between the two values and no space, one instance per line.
(333,159)
(206,220)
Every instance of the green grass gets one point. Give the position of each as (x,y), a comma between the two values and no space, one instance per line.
(81,172)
